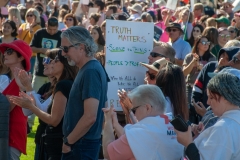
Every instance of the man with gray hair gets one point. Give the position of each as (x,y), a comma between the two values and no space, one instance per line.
(82,125)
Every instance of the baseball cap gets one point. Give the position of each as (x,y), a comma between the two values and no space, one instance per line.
(223,20)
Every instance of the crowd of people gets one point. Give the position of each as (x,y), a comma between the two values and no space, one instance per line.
(52,66)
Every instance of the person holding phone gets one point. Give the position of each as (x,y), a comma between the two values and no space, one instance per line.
(221,141)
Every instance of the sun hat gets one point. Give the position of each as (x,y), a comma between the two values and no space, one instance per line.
(223,20)
(174,25)
(227,84)
(137,8)
(22,48)
(157,65)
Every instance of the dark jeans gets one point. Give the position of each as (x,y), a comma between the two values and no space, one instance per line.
(84,149)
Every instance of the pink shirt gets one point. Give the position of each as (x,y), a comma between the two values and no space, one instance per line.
(165,36)
(120,149)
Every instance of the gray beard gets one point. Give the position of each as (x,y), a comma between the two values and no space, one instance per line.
(71,63)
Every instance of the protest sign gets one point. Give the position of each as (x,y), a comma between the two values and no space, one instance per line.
(91,10)
(128,43)
(157,33)
(85,2)
(236,5)
(172,4)
(61,2)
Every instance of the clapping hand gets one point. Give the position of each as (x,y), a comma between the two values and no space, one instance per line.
(24,100)
(124,101)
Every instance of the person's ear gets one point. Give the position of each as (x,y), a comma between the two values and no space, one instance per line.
(21,58)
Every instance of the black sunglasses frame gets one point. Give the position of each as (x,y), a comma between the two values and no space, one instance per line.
(154,55)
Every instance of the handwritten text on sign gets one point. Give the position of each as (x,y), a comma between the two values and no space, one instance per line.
(126,46)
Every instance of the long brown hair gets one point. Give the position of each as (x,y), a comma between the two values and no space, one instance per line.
(172,83)
(207,54)
(3,68)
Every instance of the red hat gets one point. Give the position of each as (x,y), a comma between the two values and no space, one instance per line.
(22,48)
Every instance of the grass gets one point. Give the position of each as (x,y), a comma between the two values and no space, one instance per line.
(30,143)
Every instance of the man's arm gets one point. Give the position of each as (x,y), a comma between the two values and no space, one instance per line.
(87,120)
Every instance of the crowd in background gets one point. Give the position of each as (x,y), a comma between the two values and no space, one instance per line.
(52,65)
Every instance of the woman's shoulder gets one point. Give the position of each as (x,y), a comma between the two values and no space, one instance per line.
(65,82)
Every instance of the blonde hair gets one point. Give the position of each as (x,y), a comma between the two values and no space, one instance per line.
(13,11)
(35,13)
(211,22)
(147,17)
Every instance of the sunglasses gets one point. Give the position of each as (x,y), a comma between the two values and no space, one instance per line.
(47,60)
(135,108)
(232,31)
(224,35)
(205,43)
(151,76)
(235,60)
(154,55)
(66,48)
(196,31)
(9,51)
(69,19)
(174,30)
(30,15)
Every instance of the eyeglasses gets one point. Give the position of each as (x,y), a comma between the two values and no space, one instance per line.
(69,19)
(29,15)
(9,51)
(135,108)
(195,30)
(205,43)
(235,60)
(232,31)
(151,75)
(154,55)
(174,30)
(47,60)
(224,35)
(56,59)
(66,48)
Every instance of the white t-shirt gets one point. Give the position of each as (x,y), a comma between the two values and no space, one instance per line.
(4,82)
(154,138)
(221,141)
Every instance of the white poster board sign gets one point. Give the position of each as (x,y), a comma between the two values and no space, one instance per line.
(61,2)
(192,5)
(172,4)
(91,10)
(127,44)
(86,2)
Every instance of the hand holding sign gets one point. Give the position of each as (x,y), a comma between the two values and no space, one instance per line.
(172,4)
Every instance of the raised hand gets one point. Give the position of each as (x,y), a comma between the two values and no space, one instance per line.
(25,80)
(24,100)
(16,76)
(124,101)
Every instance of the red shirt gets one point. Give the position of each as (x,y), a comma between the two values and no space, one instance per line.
(17,122)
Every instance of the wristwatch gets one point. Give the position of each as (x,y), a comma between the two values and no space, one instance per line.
(65,141)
